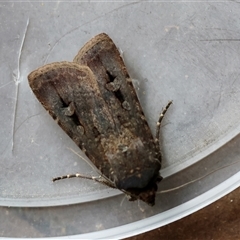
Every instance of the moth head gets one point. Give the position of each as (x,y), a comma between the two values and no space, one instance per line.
(138,183)
(146,194)
(135,169)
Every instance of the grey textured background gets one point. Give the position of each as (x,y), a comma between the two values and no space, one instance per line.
(180,51)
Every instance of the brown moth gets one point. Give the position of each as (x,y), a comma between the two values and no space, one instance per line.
(94,102)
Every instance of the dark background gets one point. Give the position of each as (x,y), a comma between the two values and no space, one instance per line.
(220,220)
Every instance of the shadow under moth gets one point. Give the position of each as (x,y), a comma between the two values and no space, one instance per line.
(94,102)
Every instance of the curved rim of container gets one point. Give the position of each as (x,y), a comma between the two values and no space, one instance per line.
(168,216)
(107,193)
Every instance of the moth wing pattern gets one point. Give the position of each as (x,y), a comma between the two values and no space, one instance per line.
(95,103)
(66,90)
(136,158)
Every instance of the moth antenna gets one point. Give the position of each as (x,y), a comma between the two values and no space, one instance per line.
(123,199)
(139,206)
(160,121)
(84,159)
(197,179)
(78,175)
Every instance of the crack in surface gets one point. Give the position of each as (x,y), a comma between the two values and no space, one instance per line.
(16,78)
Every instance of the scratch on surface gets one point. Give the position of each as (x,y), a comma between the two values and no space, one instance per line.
(56,7)
(84,159)
(92,20)
(198,179)
(4,85)
(16,129)
(16,80)
(220,40)
(220,96)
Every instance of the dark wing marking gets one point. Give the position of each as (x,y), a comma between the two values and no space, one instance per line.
(131,151)
(70,94)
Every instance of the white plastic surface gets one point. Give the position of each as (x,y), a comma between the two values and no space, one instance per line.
(185,52)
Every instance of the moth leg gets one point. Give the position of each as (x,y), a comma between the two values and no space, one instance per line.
(96,179)
(160,121)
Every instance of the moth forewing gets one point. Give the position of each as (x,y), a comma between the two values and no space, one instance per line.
(95,103)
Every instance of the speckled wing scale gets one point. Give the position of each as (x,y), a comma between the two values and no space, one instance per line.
(94,101)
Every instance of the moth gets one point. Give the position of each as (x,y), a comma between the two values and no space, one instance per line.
(94,102)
